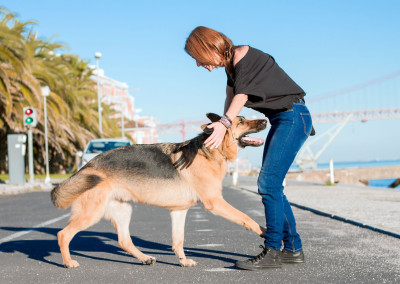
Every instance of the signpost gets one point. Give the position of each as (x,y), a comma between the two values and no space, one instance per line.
(30,120)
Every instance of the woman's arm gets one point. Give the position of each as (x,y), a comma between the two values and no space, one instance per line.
(236,105)
(233,106)
(229,97)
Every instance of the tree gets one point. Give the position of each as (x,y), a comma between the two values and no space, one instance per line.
(26,64)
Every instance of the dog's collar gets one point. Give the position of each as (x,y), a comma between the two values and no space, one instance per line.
(225,157)
(233,137)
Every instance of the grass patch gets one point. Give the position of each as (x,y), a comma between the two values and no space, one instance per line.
(52,176)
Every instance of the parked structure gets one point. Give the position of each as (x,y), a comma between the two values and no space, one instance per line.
(142,129)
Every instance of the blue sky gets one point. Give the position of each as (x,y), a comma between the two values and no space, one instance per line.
(323,45)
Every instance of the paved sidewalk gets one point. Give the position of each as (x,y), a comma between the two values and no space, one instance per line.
(37,185)
(6,188)
(371,207)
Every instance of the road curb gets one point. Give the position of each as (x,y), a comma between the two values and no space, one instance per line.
(7,189)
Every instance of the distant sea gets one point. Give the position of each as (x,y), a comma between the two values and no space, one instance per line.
(359,164)
(362,164)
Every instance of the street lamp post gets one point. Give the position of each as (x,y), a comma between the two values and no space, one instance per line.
(45,93)
(136,115)
(121,103)
(97,55)
(138,134)
(122,120)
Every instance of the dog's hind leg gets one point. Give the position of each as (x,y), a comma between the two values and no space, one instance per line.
(84,215)
(119,213)
(178,235)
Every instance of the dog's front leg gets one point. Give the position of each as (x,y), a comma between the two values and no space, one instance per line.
(178,234)
(219,206)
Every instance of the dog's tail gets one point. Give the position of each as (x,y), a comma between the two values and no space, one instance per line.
(66,192)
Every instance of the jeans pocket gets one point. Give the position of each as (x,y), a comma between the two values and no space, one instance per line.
(307,123)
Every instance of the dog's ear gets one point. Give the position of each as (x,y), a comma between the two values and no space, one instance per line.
(213,117)
(207,130)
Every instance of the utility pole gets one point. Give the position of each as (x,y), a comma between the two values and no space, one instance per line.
(30,120)
(97,55)
(45,93)
(30,156)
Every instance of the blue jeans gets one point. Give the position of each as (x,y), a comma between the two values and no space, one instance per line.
(288,133)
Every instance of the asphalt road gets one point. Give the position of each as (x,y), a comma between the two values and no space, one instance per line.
(336,252)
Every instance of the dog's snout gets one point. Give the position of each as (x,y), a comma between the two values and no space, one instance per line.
(263,123)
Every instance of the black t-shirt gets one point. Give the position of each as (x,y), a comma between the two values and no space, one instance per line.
(268,87)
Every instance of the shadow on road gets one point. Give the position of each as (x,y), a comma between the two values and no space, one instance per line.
(86,241)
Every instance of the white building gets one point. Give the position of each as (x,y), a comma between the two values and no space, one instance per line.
(141,129)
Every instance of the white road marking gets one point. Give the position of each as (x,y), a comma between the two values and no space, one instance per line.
(24,232)
(219,269)
(205,230)
(211,245)
(198,215)
(255,213)
(200,220)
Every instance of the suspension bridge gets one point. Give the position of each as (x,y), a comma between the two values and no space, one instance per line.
(383,92)
(376,99)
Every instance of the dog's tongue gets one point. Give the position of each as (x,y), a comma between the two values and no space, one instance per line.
(253,140)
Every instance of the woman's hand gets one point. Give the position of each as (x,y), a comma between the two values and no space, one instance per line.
(217,136)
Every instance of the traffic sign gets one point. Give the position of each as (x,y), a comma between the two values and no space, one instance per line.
(30,116)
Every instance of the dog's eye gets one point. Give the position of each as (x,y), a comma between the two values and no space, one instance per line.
(241,121)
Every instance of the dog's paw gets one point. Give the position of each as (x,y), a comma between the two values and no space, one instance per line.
(71,264)
(188,262)
(148,260)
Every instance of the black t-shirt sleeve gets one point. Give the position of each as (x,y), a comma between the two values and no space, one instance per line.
(229,81)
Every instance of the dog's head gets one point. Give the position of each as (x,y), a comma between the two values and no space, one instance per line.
(236,137)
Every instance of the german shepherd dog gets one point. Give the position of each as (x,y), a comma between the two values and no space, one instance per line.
(174,176)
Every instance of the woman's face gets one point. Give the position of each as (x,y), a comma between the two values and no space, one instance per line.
(217,63)
(208,67)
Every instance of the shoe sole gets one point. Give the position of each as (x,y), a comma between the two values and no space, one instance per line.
(252,268)
(292,261)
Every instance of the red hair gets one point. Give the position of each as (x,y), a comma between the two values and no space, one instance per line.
(203,43)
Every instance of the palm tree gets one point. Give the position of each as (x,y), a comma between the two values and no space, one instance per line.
(26,64)
(16,82)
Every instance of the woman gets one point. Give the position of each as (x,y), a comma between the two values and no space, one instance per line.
(256,81)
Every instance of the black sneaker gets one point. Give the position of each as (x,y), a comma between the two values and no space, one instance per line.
(268,258)
(292,257)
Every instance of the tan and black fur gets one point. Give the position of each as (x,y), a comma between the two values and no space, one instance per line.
(174,176)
